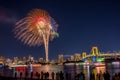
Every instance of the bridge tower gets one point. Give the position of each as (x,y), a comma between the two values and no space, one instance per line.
(94,53)
(84,56)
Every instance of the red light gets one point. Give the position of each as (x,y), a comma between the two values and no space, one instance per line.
(20,68)
(39,19)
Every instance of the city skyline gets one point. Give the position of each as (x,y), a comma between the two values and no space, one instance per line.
(82,24)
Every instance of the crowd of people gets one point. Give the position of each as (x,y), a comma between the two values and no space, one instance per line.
(42,75)
(104,76)
(67,76)
(116,76)
(100,76)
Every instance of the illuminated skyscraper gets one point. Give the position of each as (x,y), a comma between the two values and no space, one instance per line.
(77,57)
(30,58)
(24,60)
(72,58)
(2,60)
(60,59)
(15,60)
(41,60)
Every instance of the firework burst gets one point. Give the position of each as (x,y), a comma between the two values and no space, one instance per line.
(37,28)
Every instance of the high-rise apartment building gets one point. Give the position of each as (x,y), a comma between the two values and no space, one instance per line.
(77,57)
(15,60)
(60,58)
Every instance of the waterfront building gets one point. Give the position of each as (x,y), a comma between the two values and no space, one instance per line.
(8,61)
(30,58)
(60,58)
(2,60)
(77,57)
(72,58)
(15,60)
(24,60)
(40,60)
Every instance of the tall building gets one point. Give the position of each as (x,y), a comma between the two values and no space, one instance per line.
(2,60)
(72,58)
(30,58)
(24,60)
(40,60)
(77,57)
(8,61)
(60,58)
(15,60)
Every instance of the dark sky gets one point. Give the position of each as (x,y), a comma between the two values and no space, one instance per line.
(82,24)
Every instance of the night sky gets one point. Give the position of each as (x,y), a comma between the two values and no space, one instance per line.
(82,24)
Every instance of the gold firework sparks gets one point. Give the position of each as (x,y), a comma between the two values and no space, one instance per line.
(36,29)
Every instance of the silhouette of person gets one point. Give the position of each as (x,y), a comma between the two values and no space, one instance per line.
(52,74)
(47,75)
(26,74)
(42,74)
(15,74)
(82,76)
(107,75)
(31,75)
(20,74)
(57,76)
(66,75)
(61,75)
(92,76)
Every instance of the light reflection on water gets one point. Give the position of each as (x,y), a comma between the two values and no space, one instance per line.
(48,68)
(73,69)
